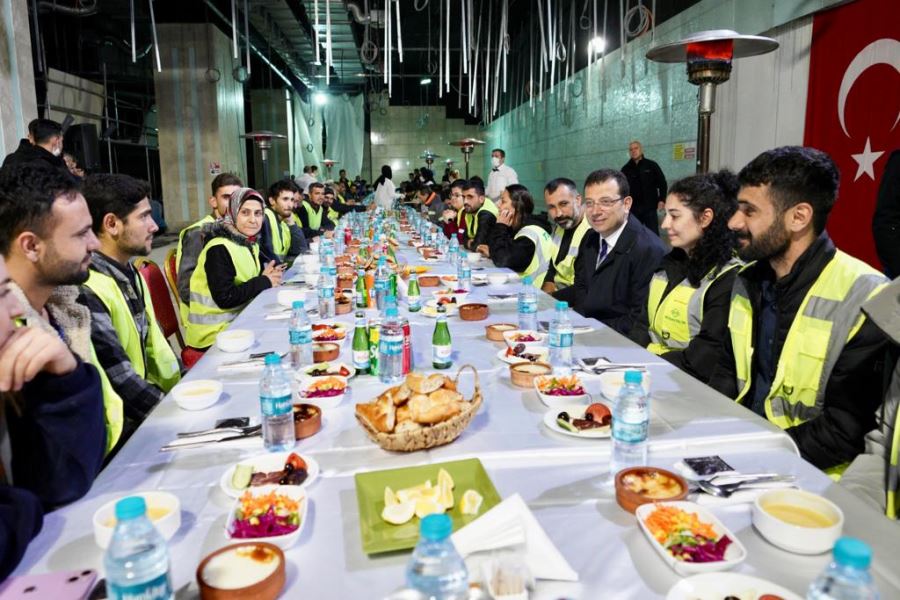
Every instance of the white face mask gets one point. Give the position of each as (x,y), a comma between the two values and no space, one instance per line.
(495,161)
(57,151)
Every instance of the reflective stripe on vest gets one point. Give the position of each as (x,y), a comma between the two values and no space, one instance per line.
(543,251)
(827,319)
(472,220)
(113,407)
(565,268)
(280,234)
(152,358)
(676,318)
(206,319)
(314,218)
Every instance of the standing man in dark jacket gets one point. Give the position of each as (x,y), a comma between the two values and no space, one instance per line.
(616,260)
(886,220)
(44,144)
(647,184)
(801,352)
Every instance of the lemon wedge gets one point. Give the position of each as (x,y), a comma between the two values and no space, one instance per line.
(444,476)
(390,498)
(400,513)
(415,492)
(445,495)
(427,506)
(470,503)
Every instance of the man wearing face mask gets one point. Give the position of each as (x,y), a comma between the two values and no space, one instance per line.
(569,227)
(502,175)
(44,144)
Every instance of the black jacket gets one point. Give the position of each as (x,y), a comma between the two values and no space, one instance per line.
(886,220)
(854,390)
(647,189)
(486,221)
(29,153)
(615,292)
(220,273)
(702,353)
(509,251)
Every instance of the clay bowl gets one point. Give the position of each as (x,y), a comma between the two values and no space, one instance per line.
(342,308)
(428,252)
(345,281)
(495,332)
(266,589)
(429,281)
(307,420)
(325,351)
(630,500)
(522,374)
(473,312)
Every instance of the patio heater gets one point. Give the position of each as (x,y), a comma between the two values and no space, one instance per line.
(467,145)
(429,157)
(709,55)
(329,163)
(263,142)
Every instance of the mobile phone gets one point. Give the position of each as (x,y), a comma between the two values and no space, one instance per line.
(61,585)
(706,466)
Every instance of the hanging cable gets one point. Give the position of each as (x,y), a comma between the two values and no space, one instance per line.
(440,78)
(399,33)
(368,52)
(316,31)
(247,35)
(463,40)
(645,17)
(447,57)
(420,8)
(540,12)
(155,39)
(133,35)
(328,55)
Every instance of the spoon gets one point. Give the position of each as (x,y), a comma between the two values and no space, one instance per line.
(727,489)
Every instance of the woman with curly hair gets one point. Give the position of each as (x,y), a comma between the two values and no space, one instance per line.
(686,317)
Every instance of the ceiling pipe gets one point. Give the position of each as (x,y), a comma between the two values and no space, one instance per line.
(84,11)
(375,18)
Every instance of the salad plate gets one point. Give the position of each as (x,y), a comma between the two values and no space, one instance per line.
(575,411)
(555,390)
(324,392)
(273,513)
(540,352)
(714,586)
(270,462)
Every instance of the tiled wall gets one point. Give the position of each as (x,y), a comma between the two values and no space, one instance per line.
(403,133)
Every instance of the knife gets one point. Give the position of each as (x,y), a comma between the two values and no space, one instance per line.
(171,446)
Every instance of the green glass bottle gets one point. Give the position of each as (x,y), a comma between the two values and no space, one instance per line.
(392,282)
(374,337)
(441,346)
(361,344)
(362,295)
(413,295)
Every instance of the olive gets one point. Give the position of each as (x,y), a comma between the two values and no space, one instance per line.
(564,416)
(288,467)
(588,417)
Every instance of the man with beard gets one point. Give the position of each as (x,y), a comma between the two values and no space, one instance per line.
(480,214)
(281,239)
(47,240)
(569,226)
(132,348)
(313,218)
(800,352)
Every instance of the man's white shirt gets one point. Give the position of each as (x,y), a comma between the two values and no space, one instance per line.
(499,178)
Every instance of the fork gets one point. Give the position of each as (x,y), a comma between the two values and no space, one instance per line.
(234,430)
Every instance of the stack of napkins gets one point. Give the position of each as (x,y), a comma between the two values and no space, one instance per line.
(511,523)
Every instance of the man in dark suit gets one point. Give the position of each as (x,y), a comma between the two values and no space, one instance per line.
(617,259)
(647,184)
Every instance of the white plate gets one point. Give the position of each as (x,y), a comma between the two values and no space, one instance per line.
(734,555)
(304,373)
(715,586)
(340,328)
(430,309)
(282,541)
(540,338)
(511,360)
(268,462)
(573,409)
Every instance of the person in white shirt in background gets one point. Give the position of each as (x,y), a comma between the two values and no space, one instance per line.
(502,175)
(385,191)
(308,177)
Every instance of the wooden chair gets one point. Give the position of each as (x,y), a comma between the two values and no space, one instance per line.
(171,271)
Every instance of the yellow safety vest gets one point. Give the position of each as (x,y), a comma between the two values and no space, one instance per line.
(113,407)
(674,320)
(893,478)
(472,220)
(280,233)
(182,307)
(206,318)
(315,218)
(565,268)
(827,319)
(333,215)
(543,252)
(153,358)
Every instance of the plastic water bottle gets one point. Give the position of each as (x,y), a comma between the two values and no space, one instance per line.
(453,251)
(847,577)
(561,334)
(527,306)
(300,334)
(464,274)
(276,406)
(137,560)
(436,569)
(326,293)
(630,424)
(381,282)
(390,347)
(329,261)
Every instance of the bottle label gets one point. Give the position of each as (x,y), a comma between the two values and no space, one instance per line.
(441,354)
(326,292)
(300,336)
(274,407)
(561,340)
(159,588)
(528,306)
(361,359)
(415,302)
(391,345)
(630,433)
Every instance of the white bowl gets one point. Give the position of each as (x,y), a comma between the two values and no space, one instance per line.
(795,538)
(167,524)
(540,338)
(611,383)
(557,401)
(314,248)
(282,541)
(309,259)
(473,257)
(497,278)
(197,394)
(460,296)
(235,340)
(286,298)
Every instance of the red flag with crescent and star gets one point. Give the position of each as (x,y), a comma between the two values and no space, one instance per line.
(853,110)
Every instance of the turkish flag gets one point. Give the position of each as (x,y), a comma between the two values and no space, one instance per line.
(853,108)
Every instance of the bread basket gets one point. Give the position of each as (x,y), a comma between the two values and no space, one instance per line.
(429,436)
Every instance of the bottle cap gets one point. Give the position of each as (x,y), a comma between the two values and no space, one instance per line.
(527,280)
(852,552)
(633,377)
(561,305)
(392,312)
(273,359)
(436,527)
(297,304)
(131,507)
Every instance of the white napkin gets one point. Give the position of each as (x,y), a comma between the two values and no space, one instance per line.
(509,523)
(745,495)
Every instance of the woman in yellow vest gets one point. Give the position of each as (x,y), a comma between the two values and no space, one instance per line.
(687,308)
(228,274)
(518,240)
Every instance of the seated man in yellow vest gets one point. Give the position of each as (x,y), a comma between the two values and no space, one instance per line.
(133,350)
(313,218)
(281,239)
(801,352)
(190,240)
(480,214)
(47,240)
(569,227)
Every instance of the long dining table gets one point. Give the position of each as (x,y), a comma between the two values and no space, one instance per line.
(561,479)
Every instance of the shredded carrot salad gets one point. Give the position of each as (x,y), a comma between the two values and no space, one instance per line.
(258,504)
(668,521)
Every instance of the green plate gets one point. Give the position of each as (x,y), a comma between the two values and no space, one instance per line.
(380,536)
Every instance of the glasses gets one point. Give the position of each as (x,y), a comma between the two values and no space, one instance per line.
(601,202)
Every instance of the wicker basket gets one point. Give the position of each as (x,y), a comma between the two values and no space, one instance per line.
(429,436)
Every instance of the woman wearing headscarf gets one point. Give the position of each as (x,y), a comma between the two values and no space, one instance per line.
(518,240)
(384,189)
(228,274)
(686,317)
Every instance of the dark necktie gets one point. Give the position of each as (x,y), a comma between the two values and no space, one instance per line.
(604,248)
(495,169)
